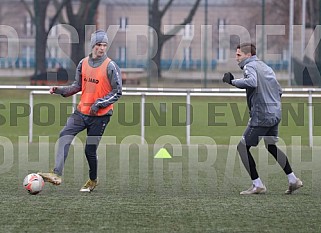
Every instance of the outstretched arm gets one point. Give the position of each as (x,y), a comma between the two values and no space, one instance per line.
(72,89)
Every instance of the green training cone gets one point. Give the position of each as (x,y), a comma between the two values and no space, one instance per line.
(162,154)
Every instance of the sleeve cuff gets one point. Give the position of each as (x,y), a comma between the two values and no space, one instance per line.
(59,91)
(94,108)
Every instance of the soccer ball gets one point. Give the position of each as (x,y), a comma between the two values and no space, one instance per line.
(33,183)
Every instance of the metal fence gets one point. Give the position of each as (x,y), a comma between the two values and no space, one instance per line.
(308,93)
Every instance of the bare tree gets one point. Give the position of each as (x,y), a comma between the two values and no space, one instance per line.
(38,16)
(305,72)
(156,15)
(280,9)
(85,15)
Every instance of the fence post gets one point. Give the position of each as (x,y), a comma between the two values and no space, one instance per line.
(188,117)
(310,101)
(31,116)
(142,118)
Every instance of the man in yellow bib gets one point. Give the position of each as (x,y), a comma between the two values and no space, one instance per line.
(99,80)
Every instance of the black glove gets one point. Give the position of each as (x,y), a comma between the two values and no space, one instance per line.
(228,77)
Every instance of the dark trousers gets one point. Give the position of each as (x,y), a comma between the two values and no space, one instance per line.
(251,137)
(77,122)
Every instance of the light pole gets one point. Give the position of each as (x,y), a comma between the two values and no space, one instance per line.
(290,41)
(205,43)
(149,48)
(263,31)
(304,2)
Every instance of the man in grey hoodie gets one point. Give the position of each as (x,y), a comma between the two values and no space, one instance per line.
(263,93)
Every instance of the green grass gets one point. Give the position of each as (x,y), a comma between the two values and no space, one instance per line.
(195,191)
(155,195)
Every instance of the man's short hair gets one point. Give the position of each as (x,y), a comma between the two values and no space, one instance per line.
(247,48)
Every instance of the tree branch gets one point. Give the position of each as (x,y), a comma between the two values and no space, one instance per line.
(60,17)
(29,10)
(70,13)
(83,8)
(155,7)
(191,13)
(178,27)
(93,10)
(168,4)
(58,13)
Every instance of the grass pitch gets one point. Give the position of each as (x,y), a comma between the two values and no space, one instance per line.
(138,193)
(197,190)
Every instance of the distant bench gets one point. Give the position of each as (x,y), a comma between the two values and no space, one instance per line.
(132,75)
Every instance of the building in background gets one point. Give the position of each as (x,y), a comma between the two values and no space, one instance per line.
(126,22)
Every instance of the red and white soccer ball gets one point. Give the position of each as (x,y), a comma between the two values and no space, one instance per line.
(33,183)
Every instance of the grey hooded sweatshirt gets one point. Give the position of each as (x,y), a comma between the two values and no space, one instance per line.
(263,92)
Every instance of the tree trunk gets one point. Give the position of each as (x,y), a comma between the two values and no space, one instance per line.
(156,71)
(85,16)
(155,21)
(78,49)
(40,8)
